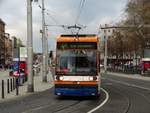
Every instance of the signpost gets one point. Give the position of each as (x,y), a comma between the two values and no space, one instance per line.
(23,52)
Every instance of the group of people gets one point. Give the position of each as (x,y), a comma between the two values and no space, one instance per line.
(5,66)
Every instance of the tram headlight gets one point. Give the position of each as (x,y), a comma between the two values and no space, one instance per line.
(61,78)
(91,78)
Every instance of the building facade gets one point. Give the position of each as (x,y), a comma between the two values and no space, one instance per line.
(8,49)
(5,45)
(2,41)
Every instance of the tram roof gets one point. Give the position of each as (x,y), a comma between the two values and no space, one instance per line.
(77,38)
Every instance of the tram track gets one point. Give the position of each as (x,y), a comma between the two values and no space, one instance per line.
(80,102)
(67,107)
(132,105)
(41,107)
(136,98)
(127,105)
(128,100)
(123,98)
(47,102)
(83,102)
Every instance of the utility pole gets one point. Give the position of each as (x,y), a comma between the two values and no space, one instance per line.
(30,87)
(106,28)
(44,68)
(106,49)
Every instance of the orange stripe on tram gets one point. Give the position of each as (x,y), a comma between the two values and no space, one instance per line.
(76,82)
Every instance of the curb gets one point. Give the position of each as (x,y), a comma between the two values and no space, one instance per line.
(132,76)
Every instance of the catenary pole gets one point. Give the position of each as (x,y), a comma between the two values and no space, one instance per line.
(44,68)
(46,49)
(30,87)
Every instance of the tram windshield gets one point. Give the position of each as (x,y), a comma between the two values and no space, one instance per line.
(76,62)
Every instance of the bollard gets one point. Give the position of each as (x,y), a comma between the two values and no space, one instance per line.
(17,86)
(3,95)
(8,89)
(11,88)
(23,79)
(26,78)
(13,83)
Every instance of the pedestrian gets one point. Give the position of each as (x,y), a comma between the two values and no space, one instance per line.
(1,67)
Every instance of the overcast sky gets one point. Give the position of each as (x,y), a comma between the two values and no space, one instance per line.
(60,12)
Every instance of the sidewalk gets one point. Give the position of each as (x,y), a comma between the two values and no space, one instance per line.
(132,76)
(39,86)
(4,74)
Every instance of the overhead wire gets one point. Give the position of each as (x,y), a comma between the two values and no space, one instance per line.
(49,15)
(56,22)
(81,5)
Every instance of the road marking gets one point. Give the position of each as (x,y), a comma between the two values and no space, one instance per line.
(131,85)
(106,99)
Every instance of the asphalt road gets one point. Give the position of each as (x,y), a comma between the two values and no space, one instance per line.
(125,96)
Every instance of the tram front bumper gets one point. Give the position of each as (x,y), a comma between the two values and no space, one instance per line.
(76,92)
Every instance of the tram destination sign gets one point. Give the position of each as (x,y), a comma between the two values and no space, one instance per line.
(76,45)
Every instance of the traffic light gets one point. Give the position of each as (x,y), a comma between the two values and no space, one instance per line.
(51,54)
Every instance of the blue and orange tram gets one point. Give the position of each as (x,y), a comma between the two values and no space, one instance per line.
(77,65)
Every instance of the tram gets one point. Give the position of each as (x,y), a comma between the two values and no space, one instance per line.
(77,70)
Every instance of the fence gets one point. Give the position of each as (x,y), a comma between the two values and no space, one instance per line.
(128,70)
